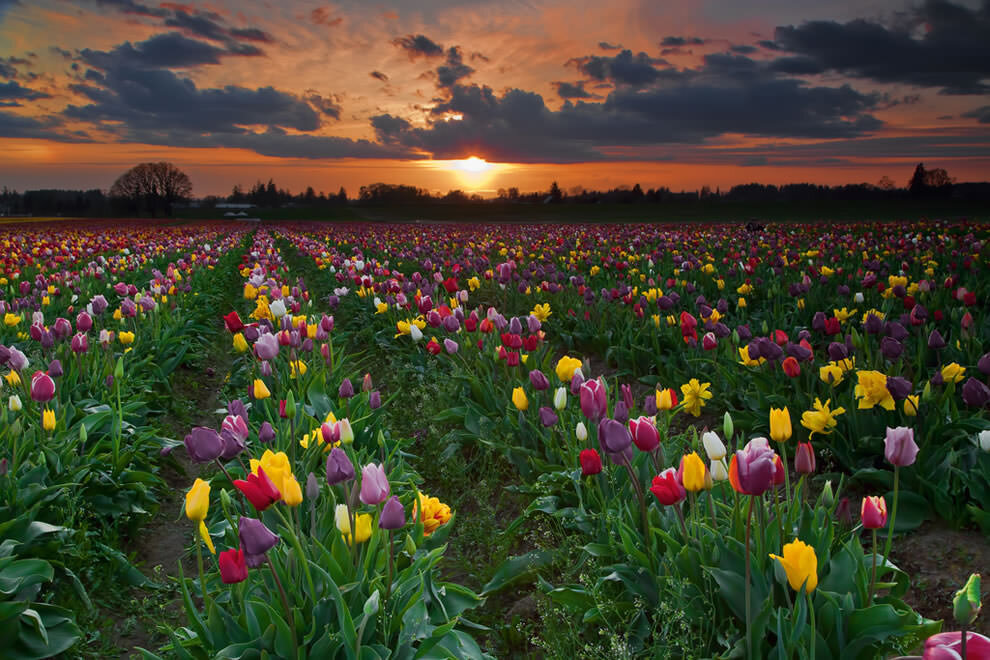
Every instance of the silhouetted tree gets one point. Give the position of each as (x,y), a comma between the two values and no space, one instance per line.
(555,194)
(342,196)
(918,181)
(152,186)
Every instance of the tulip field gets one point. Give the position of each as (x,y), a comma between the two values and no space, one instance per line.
(456,440)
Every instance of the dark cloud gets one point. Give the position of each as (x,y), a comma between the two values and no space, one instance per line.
(479,57)
(45,128)
(200,24)
(575,90)
(324,16)
(743,49)
(418,46)
(388,127)
(252,34)
(981,114)
(952,51)
(454,69)
(379,75)
(682,41)
(768,44)
(158,99)
(132,7)
(279,144)
(168,50)
(14,91)
(624,69)
(604,45)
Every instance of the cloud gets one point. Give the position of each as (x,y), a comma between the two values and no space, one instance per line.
(168,50)
(952,51)
(143,99)
(132,7)
(278,144)
(604,45)
(17,126)
(575,90)
(14,91)
(328,106)
(682,41)
(454,70)
(418,46)
(624,69)
(981,114)
(379,75)
(324,16)
(743,49)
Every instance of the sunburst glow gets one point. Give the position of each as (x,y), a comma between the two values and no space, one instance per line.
(474,165)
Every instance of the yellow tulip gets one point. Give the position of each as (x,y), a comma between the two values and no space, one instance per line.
(566,366)
(10,320)
(48,419)
(126,337)
(13,378)
(362,523)
(801,565)
(198,500)
(240,344)
(519,399)
(666,399)
(260,389)
(780,424)
(435,513)
(953,372)
(542,312)
(297,368)
(871,390)
(831,374)
(292,493)
(911,405)
(693,472)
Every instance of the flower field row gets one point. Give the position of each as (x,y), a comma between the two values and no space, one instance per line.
(733,424)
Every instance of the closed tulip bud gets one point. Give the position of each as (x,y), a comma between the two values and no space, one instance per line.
(621,413)
(644,434)
(828,497)
(393,515)
(290,405)
(539,380)
(714,447)
(42,387)
(14,403)
(374,484)
(346,432)
(581,432)
(48,419)
(591,462)
(594,399)
(935,340)
(966,603)
(255,537)
(613,436)
(560,398)
(804,459)
(547,416)
(975,394)
(375,400)
(339,467)
(233,567)
(899,446)
(346,389)
(780,424)
(873,512)
(203,445)
(198,500)
(260,390)
(292,492)
(984,440)
(415,333)
(727,427)
(118,370)
(312,487)
(266,433)
(718,471)
(692,472)
(666,399)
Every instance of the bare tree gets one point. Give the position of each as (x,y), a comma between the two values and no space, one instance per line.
(152,186)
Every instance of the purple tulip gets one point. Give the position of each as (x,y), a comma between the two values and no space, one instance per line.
(621,413)
(256,538)
(375,400)
(975,394)
(594,400)
(236,407)
(613,436)
(17,360)
(533,324)
(99,304)
(339,467)
(984,364)
(346,389)
(873,324)
(897,331)
(891,348)
(515,326)
(393,515)
(577,381)
(898,387)
(374,484)
(755,466)
(547,416)
(203,444)
(84,322)
(539,380)
(266,433)
(312,487)
(935,340)
(899,446)
(266,348)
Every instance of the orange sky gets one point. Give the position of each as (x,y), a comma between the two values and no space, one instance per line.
(84,95)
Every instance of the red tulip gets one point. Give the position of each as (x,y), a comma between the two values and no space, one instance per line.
(667,487)
(791,367)
(233,322)
(591,462)
(259,490)
(42,387)
(874,512)
(233,567)
(804,460)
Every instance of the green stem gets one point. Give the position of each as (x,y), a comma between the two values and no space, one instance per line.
(893,515)
(811,615)
(294,540)
(199,565)
(749,521)
(787,475)
(290,621)
(873,578)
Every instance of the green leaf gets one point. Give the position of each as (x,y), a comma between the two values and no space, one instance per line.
(515,568)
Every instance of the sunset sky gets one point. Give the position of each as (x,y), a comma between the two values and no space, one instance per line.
(594,94)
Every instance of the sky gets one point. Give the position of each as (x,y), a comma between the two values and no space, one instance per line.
(586,93)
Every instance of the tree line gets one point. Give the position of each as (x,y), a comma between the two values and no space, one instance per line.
(159,188)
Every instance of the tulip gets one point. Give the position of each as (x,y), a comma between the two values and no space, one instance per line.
(393,515)
(692,472)
(233,567)
(256,539)
(581,432)
(266,433)
(519,399)
(14,403)
(259,490)
(873,512)
(80,343)
(198,500)
(266,347)
(591,462)
(621,413)
(233,322)
(644,434)
(966,603)
(949,646)
(312,487)
(780,424)
(753,468)
(718,470)
(714,447)
(804,459)
(203,444)
(560,398)
(84,322)
(291,491)
(614,437)
(984,440)
(538,380)
(975,394)
(374,484)
(42,387)
(801,565)
(666,399)
(547,416)
(375,400)
(431,511)
(346,389)
(594,399)
(791,367)
(260,390)
(899,446)
(339,467)
(667,488)
(565,368)
(362,523)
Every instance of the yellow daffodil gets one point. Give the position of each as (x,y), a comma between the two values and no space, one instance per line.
(695,394)
(542,312)
(821,419)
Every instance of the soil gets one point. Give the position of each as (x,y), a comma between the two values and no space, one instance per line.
(939,560)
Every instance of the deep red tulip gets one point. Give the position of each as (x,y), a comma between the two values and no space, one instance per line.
(259,490)
(233,567)
(667,487)
(591,462)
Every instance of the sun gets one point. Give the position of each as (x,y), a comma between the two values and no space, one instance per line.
(473,165)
